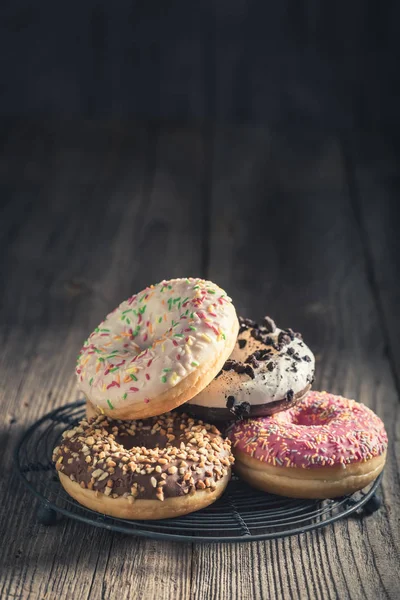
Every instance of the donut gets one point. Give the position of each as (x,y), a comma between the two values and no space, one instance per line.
(152,469)
(269,370)
(323,447)
(157,349)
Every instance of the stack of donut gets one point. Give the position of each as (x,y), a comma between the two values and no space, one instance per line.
(171,363)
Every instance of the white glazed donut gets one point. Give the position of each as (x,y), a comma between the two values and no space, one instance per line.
(269,370)
(157,349)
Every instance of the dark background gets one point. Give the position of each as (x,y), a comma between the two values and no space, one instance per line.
(253,143)
(327,64)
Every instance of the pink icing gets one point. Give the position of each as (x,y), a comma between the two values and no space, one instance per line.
(322,430)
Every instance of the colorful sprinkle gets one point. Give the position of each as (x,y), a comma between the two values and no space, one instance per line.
(181,325)
(322,429)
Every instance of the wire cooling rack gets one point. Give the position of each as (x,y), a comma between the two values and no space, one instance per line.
(241,514)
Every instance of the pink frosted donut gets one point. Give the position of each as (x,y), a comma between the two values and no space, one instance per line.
(157,349)
(325,446)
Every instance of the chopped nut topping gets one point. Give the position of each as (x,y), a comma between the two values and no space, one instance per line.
(192,453)
(97,473)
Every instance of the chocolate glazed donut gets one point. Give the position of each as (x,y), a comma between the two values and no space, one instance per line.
(270,370)
(152,469)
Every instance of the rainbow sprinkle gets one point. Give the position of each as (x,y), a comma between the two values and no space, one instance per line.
(117,361)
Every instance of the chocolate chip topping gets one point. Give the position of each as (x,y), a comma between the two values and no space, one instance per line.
(262,333)
(259,355)
(284,339)
(246,324)
(289,395)
(269,324)
(162,457)
(251,360)
(238,367)
(239,409)
(271,342)
(230,402)
(261,336)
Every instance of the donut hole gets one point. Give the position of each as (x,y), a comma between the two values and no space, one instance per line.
(127,441)
(144,438)
(307,417)
(311,419)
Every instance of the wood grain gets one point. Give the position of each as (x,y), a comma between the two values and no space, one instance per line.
(285,242)
(92,211)
(373,163)
(108,212)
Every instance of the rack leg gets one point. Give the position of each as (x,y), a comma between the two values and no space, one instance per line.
(46,515)
(373,504)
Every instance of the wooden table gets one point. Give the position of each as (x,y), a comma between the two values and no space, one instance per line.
(302,225)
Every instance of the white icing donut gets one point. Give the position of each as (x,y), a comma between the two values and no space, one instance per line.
(158,348)
(281,375)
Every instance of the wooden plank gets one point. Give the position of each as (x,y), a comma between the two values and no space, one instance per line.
(373,168)
(285,242)
(169,245)
(92,212)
